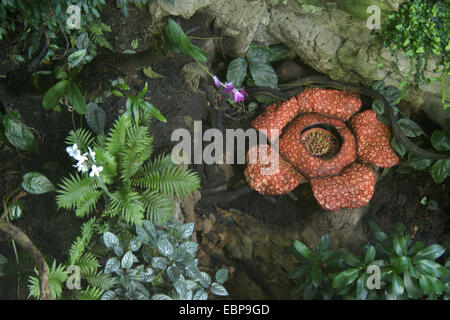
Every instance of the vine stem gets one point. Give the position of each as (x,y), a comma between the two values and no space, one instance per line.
(25,242)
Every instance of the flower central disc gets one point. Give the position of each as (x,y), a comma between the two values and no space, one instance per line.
(320,142)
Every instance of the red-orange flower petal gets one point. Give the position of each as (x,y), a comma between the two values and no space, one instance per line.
(297,154)
(277,180)
(276,116)
(373,139)
(353,188)
(340,104)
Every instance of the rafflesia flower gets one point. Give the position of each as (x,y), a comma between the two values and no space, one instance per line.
(327,143)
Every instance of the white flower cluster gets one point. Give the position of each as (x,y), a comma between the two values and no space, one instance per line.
(83,160)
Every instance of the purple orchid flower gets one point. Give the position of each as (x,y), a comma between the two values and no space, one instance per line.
(217,81)
(239,95)
(235,95)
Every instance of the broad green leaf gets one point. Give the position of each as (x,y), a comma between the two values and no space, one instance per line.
(61,74)
(345,278)
(179,39)
(397,285)
(159,263)
(218,289)
(412,286)
(316,276)
(165,247)
(261,53)
(221,275)
(432,268)
(378,107)
(154,112)
(76,58)
(303,250)
(128,259)
(110,239)
(309,291)
(200,294)
(160,296)
(431,252)
(18,134)
(112,265)
(109,295)
(190,247)
(237,70)
(370,254)
(297,273)
(134,245)
(187,229)
(391,94)
(361,287)
(146,232)
(377,232)
(151,74)
(263,75)
(410,128)
(399,264)
(173,274)
(36,183)
(15,210)
(351,260)
(399,247)
(440,141)
(426,284)
(83,41)
(418,163)
(440,170)
(75,98)
(398,147)
(95,117)
(204,279)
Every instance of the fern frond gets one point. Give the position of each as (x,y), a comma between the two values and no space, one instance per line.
(56,277)
(159,163)
(101,280)
(90,293)
(88,203)
(109,164)
(34,288)
(158,207)
(167,178)
(74,190)
(96,30)
(80,244)
(128,204)
(88,264)
(117,137)
(138,149)
(81,137)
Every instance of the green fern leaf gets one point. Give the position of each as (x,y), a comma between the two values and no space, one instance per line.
(127,203)
(166,178)
(117,137)
(81,137)
(34,288)
(73,191)
(138,149)
(88,264)
(88,203)
(80,244)
(109,164)
(158,207)
(101,280)
(90,293)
